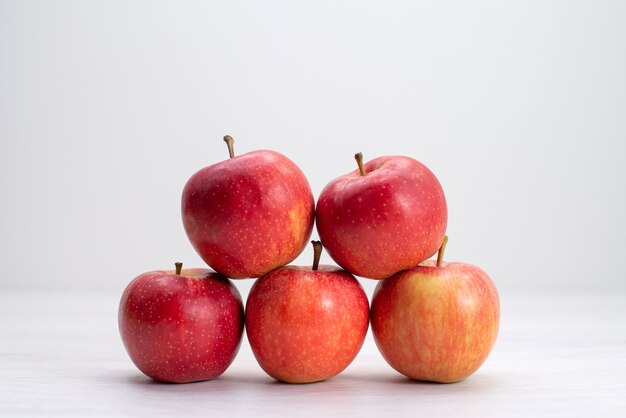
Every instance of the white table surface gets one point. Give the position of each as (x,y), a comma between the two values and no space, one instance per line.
(557,355)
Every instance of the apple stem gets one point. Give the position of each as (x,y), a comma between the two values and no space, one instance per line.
(442,249)
(179,267)
(230,142)
(359,160)
(317,253)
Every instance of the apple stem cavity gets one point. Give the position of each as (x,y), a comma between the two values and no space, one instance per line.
(359,160)
(231,145)
(179,267)
(317,253)
(442,249)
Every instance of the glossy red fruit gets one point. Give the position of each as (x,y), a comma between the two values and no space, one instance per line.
(389,215)
(249,214)
(181,327)
(306,324)
(436,322)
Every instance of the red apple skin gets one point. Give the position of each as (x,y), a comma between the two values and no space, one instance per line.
(436,323)
(391,219)
(306,326)
(248,215)
(181,328)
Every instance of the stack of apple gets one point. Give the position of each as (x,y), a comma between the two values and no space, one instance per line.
(249,216)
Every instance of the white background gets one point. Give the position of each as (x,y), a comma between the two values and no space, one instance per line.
(106,108)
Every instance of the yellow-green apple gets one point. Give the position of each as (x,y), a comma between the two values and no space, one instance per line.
(387,216)
(306,324)
(436,322)
(181,326)
(249,214)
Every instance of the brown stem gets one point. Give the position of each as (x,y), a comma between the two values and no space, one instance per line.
(317,253)
(230,142)
(359,160)
(179,267)
(442,249)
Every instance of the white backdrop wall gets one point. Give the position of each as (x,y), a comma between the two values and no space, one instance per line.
(106,108)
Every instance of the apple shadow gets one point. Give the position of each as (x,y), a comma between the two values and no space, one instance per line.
(480,383)
(347,383)
(141,380)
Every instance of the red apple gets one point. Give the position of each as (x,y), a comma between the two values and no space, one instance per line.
(249,214)
(181,326)
(389,215)
(436,322)
(306,324)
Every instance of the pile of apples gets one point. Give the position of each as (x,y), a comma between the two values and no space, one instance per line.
(249,216)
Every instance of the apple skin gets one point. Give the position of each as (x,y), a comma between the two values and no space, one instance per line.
(248,215)
(306,326)
(436,323)
(391,219)
(181,328)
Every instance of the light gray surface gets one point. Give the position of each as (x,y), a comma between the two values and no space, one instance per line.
(557,355)
(107,107)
